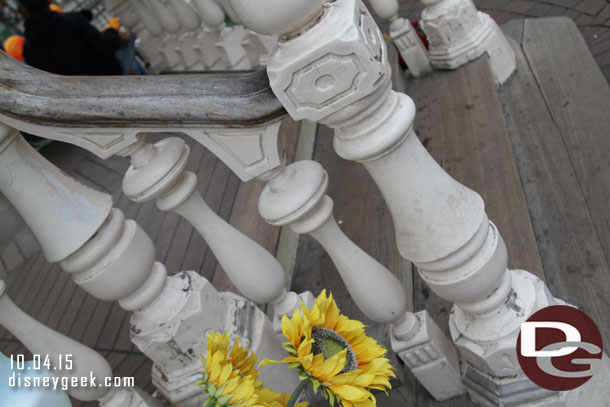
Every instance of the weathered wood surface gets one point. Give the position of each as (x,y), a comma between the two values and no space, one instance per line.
(48,294)
(556,109)
(459,120)
(232,99)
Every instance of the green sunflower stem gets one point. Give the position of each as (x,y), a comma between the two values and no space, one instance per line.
(297,393)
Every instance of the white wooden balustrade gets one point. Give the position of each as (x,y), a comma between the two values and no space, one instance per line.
(190,36)
(331,67)
(84,362)
(77,226)
(458,33)
(404,36)
(296,195)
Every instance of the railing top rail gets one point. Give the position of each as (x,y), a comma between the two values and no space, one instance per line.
(221,99)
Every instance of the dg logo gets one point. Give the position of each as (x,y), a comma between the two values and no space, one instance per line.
(559,348)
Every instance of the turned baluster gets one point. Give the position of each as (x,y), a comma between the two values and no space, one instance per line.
(458,33)
(113,259)
(69,359)
(159,172)
(213,18)
(341,78)
(139,19)
(404,36)
(188,40)
(296,195)
(170,37)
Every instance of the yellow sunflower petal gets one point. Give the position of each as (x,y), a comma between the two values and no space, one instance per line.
(350,393)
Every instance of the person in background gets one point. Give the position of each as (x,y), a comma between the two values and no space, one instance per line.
(66,43)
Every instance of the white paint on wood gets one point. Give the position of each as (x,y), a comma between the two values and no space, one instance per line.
(62,213)
(457,33)
(404,36)
(440,225)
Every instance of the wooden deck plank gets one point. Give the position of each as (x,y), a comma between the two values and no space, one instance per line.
(57,279)
(575,266)
(578,98)
(83,318)
(108,337)
(32,300)
(65,311)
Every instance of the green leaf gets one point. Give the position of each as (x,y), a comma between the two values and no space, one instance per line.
(224,399)
(211,389)
(316,385)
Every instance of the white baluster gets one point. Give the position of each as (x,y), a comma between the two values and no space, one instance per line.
(71,213)
(213,18)
(186,15)
(69,359)
(134,15)
(188,45)
(404,36)
(159,172)
(259,48)
(296,195)
(331,67)
(170,37)
(233,54)
(458,33)
(114,261)
(210,12)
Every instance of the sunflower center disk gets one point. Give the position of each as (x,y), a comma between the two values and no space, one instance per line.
(329,343)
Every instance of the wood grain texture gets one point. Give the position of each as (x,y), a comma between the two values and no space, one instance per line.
(578,99)
(566,216)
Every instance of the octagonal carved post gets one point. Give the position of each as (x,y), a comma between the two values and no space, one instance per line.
(458,33)
(69,359)
(405,38)
(296,195)
(331,67)
(113,259)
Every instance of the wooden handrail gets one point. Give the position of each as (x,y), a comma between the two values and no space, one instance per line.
(225,99)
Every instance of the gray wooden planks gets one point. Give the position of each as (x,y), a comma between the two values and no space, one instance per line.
(565,210)
(578,99)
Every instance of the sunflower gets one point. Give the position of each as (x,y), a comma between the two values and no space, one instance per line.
(230,377)
(333,353)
